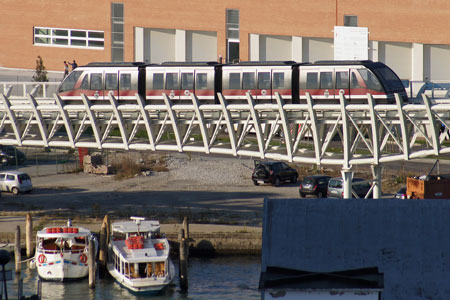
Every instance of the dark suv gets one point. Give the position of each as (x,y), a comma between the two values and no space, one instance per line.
(273,173)
(10,155)
(316,185)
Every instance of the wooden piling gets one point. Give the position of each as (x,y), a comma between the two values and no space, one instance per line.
(91,263)
(17,254)
(186,235)
(29,235)
(102,255)
(183,261)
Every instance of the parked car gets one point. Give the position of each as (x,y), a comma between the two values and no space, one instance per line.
(273,172)
(316,185)
(10,155)
(15,182)
(336,188)
(401,193)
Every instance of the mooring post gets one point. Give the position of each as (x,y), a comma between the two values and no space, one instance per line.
(102,256)
(107,223)
(186,235)
(183,261)
(17,249)
(29,235)
(91,264)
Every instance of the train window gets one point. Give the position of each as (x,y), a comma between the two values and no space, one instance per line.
(278,80)
(158,82)
(85,83)
(110,81)
(371,80)
(248,81)
(326,80)
(187,81)
(69,83)
(172,81)
(342,80)
(96,81)
(354,83)
(311,81)
(125,82)
(234,82)
(201,81)
(264,80)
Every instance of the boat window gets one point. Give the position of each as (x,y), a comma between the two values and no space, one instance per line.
(342,80)
(248,81)
(110,81)
(96,81)
(234,82)
(187,81)
(326,80)
(172,81)
(278,81)
(311,81)
(371,80)
(125,82)
(70,81)
(264,80)
(201,81)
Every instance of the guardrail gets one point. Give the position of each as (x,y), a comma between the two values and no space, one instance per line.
(38,90)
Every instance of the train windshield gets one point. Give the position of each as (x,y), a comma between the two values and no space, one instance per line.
(389,79)
(371,80)
(69,82)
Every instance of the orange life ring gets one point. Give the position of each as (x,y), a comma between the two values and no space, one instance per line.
(83,258)
(42,259)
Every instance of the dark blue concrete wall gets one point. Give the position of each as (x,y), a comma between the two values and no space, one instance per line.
(408,240)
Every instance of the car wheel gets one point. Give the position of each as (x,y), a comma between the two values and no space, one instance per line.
(276,181)
(319,195)
(15,191)
(255,182)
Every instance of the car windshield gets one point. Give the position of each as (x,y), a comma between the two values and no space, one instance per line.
(308,180)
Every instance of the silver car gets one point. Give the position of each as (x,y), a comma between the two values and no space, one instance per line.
(15,182)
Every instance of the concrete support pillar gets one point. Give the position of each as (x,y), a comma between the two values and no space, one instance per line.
(417,62)
(138,44)
(376,173)
(297,48)
(347,176)
(180,45)
(254,47)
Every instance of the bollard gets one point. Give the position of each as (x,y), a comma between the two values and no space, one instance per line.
(17,255)
(186,235)
(91,263)
(29,235)
(183,262)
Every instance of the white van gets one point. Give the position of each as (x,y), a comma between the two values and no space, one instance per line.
(15,182)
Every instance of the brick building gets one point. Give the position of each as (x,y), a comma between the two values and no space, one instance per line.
(407,35)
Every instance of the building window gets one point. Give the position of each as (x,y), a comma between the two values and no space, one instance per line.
(351,21)
(63,37)
(232,19)
(117,36)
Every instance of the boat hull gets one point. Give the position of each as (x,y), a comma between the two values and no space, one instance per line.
(62,268)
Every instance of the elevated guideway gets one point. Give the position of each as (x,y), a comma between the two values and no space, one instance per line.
(324,134)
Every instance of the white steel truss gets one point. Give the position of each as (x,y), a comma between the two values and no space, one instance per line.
(323,134)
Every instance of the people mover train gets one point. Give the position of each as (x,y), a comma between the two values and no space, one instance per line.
(323,80)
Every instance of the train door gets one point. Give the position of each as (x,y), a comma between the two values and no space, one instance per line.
(249,83)
(111,84)
(232,83)
(93,85)
(342,79)
(204,84)
(128,84)
(172,83)
(327,87)
(309,82)
(187,84)
(264,88)
(281,83)
(155,85)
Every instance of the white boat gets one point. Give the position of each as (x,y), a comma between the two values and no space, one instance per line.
(138,256)
(62,252)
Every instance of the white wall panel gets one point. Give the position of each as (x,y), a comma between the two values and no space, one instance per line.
(162,45)
(397,56)
(273,47)
(317,49)
(436,62)
(201,46)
